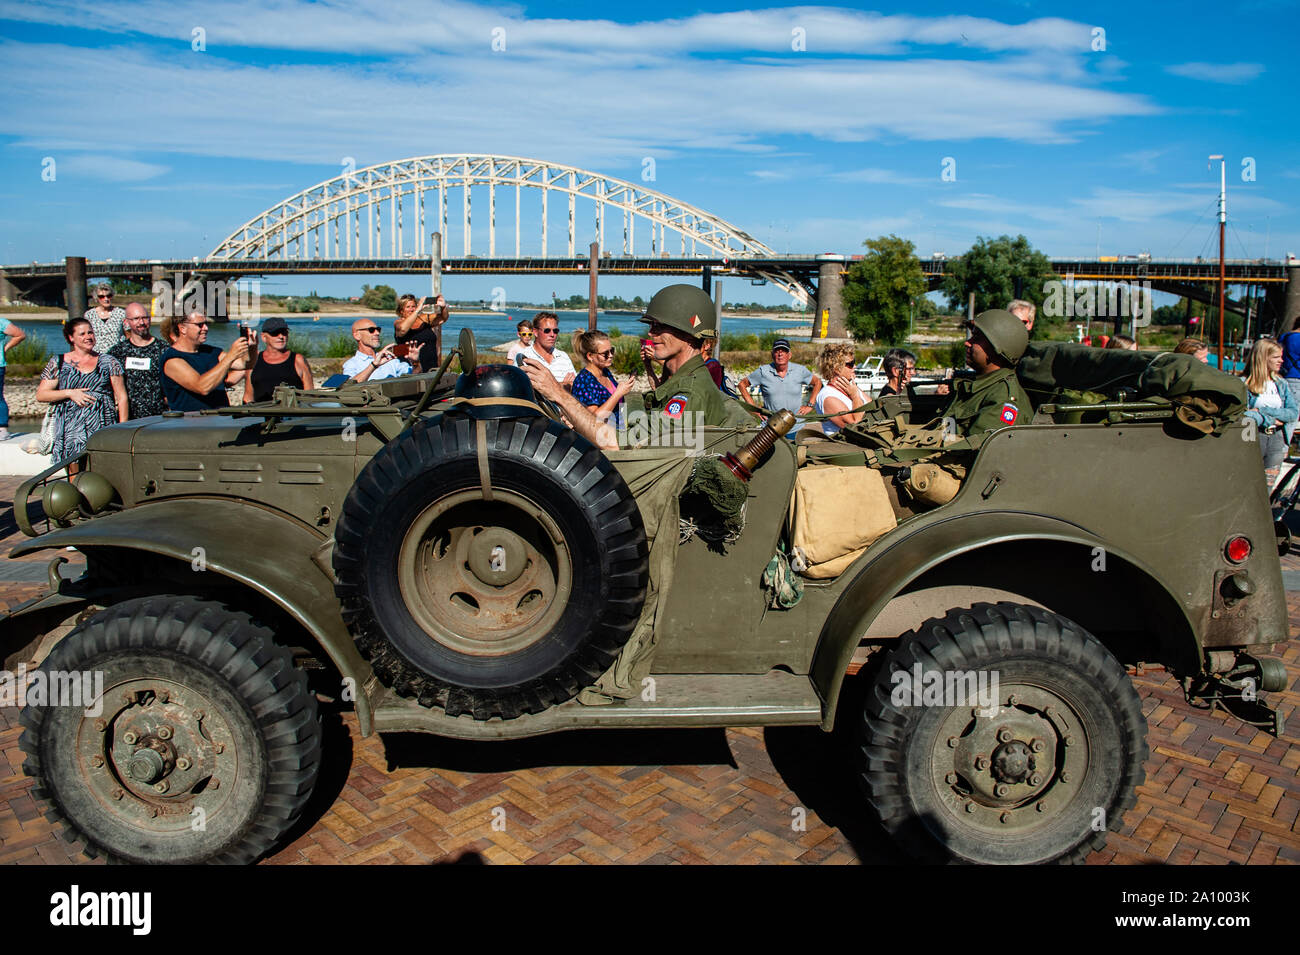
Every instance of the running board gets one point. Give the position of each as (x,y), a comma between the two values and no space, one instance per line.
(775,698)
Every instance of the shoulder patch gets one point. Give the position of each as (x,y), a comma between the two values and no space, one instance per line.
(1009,413)
(676,405)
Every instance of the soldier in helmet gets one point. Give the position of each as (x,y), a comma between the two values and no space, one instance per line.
(679,316)
(993,399)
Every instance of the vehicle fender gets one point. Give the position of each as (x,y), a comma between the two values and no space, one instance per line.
(882,573)
(260,548)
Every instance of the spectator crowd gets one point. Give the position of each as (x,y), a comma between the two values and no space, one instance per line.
(115,369)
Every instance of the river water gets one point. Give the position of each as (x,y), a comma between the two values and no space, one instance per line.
(488,330)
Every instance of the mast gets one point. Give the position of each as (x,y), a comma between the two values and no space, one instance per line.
(1223,219)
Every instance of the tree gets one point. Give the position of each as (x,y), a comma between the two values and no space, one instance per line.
(880,288)
(998,270)
(381,297)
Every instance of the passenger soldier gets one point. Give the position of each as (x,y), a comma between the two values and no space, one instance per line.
(993,399)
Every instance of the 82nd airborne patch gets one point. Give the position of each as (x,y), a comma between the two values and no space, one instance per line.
(1009,413)
(676,405)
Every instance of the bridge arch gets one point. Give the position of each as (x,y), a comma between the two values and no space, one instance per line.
(384,210)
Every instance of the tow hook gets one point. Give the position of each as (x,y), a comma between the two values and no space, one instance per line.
(1234,683)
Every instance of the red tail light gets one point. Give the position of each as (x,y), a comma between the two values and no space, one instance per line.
(1238,549)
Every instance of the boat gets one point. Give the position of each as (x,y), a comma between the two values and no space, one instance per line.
(870,376)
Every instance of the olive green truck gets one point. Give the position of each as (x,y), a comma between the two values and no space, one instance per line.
(472,568)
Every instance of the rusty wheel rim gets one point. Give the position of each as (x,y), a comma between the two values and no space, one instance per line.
(158,754)
(485,578)
(1012,768)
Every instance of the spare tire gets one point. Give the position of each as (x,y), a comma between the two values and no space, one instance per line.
(494,603)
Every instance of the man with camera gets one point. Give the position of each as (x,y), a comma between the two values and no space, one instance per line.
(370,361)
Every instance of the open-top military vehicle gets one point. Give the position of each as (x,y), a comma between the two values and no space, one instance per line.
(465,565)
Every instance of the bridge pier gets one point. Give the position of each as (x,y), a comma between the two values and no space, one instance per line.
(76,272)
(8,291)
(829,322)
(1291,314)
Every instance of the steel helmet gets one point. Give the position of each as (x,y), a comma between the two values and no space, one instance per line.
(1006,333)
(495,381)
(685,308)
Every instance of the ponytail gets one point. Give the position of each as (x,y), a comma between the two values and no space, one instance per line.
(585,342)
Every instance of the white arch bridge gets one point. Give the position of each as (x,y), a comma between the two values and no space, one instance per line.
(387,212)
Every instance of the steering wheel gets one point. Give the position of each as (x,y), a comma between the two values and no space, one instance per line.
(547,405)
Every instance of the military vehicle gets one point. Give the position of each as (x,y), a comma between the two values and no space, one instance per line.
(459,562)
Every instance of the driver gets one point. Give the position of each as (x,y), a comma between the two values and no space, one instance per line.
(679,316)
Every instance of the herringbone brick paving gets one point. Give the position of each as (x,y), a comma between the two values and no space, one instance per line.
(1216,791)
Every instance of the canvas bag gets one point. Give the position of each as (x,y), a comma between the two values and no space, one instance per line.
(45,443)
(835,515)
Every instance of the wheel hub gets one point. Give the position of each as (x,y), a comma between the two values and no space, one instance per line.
(1011,761)
(155,754)
(485,578)
(1012,766)
(497,557)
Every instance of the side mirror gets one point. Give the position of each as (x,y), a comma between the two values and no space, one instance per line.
(468,350)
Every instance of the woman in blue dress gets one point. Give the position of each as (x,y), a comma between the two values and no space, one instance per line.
(85,389)
(595,386)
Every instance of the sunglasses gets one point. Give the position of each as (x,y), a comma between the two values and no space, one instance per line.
(849,363)
(284,332)
(197,324)
(370,330)
(103,296)
(548,331)
(605,354)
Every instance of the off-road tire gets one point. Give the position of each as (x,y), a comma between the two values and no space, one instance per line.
(913,764)
(576,521)
(234,708)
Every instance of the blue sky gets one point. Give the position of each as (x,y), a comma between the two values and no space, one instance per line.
(1082,140)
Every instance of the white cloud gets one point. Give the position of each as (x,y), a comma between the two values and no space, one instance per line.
(875,176)
(411,27)
(317,114)
(106,167)
(1217,72)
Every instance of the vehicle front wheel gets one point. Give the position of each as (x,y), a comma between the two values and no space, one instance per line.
(178,733)
(1002,733)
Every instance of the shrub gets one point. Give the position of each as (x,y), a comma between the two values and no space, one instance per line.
(731,341)
(339,345)
(30,351)
(627,355)
(615,332)
(300,343)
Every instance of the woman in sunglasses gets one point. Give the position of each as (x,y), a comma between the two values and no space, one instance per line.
(595,386)
(106,319)
(840,394)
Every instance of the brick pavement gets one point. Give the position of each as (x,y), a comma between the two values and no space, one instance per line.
(1216,791)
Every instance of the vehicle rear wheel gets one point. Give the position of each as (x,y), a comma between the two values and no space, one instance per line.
(1002,734)
(490,604)
(203,746)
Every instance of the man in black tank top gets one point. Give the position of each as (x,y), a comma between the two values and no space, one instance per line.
(275,365)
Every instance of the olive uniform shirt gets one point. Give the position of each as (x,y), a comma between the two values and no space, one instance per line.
(989,402)
(691,391)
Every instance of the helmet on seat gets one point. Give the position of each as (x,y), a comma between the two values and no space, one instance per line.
(1006,333)
(491,383)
